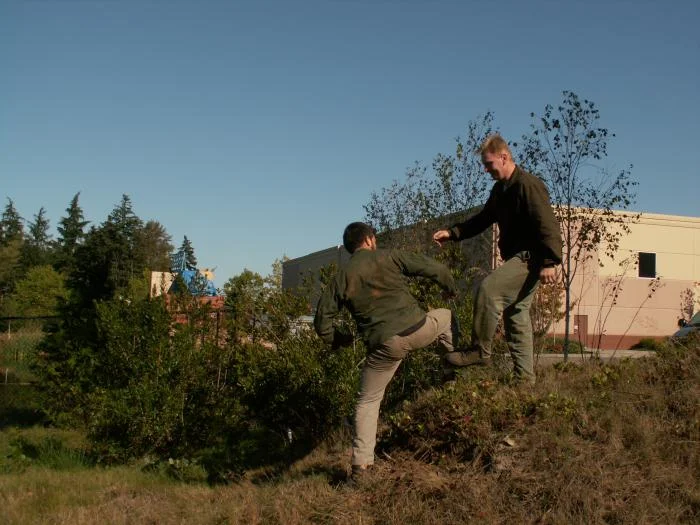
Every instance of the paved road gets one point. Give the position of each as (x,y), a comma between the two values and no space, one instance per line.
(604,355)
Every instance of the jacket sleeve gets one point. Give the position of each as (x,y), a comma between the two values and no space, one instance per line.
(327,310)
(543,222)
(477,223)
(414,264)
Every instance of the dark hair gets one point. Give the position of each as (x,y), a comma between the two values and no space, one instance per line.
(355,234)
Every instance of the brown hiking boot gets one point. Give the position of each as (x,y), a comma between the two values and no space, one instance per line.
(358,475)
(468,358)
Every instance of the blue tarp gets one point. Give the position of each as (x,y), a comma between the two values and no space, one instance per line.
(196,283)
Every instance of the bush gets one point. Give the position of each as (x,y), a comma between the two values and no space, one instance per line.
(648,343)
(302,386)
(148,386)
(49,448)
(556,346)
(18,352)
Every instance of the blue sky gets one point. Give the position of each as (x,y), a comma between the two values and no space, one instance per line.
(260,128)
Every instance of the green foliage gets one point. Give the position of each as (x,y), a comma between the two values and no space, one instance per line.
(38,293)
(407,213)
(53,449)
(245,296)
(300,386)
(110,256)
(187,250)
(453,185)
(556,346)
(11,227)
(49,452)
(155,243)
(10,267)
(566,148)
(20,402)
(71,232)
(18,350)
(152,379)
(648,343)
(184,470)
(38,247)
(631,404)
(260,310)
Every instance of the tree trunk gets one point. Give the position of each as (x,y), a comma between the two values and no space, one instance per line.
(567,284)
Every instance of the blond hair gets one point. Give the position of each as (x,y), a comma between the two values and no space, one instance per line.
(495,144)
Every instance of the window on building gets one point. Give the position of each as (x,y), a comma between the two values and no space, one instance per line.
(647,264)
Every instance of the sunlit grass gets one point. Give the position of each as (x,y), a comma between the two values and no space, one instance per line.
(589,443)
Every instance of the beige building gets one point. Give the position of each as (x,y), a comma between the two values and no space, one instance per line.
(639,293)
(616,302)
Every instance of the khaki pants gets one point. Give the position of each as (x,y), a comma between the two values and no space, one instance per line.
(380,366)
(508,291)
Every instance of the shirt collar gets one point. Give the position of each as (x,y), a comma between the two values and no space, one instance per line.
(516,174)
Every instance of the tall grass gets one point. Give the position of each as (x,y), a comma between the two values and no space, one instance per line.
(589,443)
(20,402)
(17,353)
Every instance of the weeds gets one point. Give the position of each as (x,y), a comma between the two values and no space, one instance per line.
(589,443)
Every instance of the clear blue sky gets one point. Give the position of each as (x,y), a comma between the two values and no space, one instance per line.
(260,128)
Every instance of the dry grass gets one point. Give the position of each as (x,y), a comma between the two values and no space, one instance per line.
(588,444)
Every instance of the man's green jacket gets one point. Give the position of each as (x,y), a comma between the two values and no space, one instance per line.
(373,287)
(525,218)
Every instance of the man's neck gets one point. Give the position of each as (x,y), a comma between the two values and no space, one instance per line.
(511,170)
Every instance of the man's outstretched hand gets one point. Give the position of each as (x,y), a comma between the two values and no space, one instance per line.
(341,338)
(441,236)
(549,275)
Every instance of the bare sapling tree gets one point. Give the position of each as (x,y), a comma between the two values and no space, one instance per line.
(406,211)
(567,149)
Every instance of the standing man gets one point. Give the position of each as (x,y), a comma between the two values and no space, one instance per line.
(530,244)
(373,288)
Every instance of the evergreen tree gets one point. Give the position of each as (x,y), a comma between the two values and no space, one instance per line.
(37,247)
(11,227)
(11,241)
(110,255)
(156,246)
(125,220)
(38,293)
(188,251)
(70,234)
(10,267)
(126,228)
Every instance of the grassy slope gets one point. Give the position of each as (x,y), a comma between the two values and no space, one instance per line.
(587,444)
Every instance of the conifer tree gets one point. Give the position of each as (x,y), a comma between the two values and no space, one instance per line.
(71,233)
(38,245)
(188,251)
(11,227)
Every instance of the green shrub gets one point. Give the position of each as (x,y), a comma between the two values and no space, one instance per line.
(18,353)
(149,386)
(648,343)
(556,346)
(47,448)
(302,386)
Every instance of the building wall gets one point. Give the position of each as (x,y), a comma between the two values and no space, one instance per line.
(306,269)
(160,283)
(619,307)
(478,252)
(612,307)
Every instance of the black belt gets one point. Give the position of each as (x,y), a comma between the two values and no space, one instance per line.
(411,329)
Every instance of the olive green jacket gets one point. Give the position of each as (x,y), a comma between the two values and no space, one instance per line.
(373,287)
(525,218)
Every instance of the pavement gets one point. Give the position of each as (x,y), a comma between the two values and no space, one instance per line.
(603,355)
